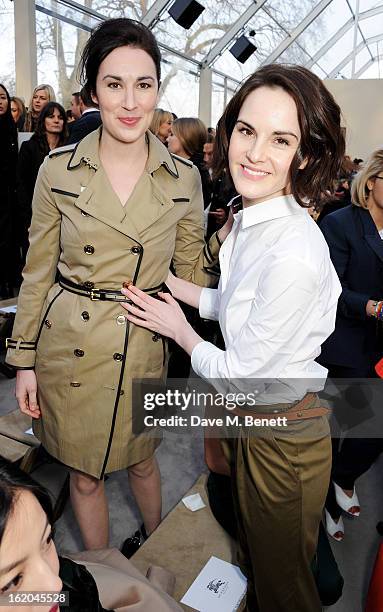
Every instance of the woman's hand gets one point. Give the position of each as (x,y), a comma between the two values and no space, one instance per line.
(183,290)
(163,316)
(26,393)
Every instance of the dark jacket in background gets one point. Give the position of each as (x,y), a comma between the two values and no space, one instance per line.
(8,163)
(87,123)
(30,159)
(356,250)
(198,161)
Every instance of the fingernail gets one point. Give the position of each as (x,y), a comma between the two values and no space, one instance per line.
(126,284)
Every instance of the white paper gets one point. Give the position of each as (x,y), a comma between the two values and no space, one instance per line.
(9,308)
(194,502)
(219,587)
(29,431)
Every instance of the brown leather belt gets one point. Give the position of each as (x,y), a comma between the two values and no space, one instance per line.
(292,412)
(104,295)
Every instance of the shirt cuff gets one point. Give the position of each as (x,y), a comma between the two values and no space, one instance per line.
(201,351)
(209,304)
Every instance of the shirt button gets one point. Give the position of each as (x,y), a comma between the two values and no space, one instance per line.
(88,285)
(136,250)
(121,320)
(48,323)
(75,384)
(89,249)
(118,357)
(85,316)
(78,353)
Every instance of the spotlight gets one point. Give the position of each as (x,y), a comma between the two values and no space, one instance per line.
(242,49)
(186,12)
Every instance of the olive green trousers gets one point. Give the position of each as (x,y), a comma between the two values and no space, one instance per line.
(280,480)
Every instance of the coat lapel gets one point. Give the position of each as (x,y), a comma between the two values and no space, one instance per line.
(371,234)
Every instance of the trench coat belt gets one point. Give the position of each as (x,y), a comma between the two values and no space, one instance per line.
(105,295)
(292,412)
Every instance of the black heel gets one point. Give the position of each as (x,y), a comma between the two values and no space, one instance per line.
(132,544)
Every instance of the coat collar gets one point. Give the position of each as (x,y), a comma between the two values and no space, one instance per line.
(370,231)
(86,152)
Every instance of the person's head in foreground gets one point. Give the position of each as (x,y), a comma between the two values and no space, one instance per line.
(28,557)
(280,134)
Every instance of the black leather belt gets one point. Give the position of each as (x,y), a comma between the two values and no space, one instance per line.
(105,295)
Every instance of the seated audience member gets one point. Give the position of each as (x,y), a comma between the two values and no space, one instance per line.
(161,124)
(187,139)
(354,235)
(75,105)
(89,121)
(29,560)
(18,112)
(8,162)
(42,94)
(50,133)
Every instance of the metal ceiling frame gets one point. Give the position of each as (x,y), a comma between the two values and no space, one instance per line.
(154,13)
(348,57)
(341,32)
(230,35)
(285,44)
(363,69)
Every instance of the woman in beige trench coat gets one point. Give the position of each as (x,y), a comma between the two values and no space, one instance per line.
(117,207)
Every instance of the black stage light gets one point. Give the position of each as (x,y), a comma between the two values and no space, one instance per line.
(186,12)
(242,49)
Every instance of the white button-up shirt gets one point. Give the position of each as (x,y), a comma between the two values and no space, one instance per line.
(276,304)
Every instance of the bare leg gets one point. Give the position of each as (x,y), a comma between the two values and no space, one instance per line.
(91,509)
(145,481)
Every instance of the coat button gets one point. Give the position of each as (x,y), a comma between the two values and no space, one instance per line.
(48,323)
(118,356)
(136,250)
(85,316)
(88,285)
(78,353)
(121,320)
(75,384)
(89,249)
(84,214)
(156,337)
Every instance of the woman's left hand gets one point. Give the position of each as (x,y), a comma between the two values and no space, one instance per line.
(163,316)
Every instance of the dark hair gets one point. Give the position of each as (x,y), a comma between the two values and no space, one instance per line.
(110,35)
(322,141)
(40,133)
(12,482)
(76,96)
(8,136)
(85,98)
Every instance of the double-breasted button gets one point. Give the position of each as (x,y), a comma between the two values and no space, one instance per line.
(121,320)
(136,250)
(85,316)
(122,392)
(75,384)
(88,285)
(118,356)
(48,323)
(156,337)
(78,353)
(89,249)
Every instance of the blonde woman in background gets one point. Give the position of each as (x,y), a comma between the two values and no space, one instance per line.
(161,125)
(42,94)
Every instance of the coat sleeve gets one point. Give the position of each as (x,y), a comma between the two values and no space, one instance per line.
(39,273)
(194,260)
(352,304)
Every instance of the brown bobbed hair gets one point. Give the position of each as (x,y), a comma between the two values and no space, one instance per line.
(359,188)
(322,141)
(192,134)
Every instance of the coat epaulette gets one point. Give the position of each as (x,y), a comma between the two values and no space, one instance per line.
(187,162)
(60,150)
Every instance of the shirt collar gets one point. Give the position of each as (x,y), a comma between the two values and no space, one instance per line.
(275,208)
(86,151)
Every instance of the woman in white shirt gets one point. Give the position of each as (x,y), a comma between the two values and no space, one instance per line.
(281,142)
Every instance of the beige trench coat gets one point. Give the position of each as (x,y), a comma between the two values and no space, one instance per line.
(84,352)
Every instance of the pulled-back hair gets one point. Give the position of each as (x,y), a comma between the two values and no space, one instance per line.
(112,34)
(322,142)
(12,482)
(359,188)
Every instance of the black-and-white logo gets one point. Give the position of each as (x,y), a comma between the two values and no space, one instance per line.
(217,586)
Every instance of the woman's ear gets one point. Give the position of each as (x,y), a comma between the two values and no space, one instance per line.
(303,164)
(370,184)
(94,98)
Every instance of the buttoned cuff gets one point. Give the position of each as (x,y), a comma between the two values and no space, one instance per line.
(198,356)
(20,354)
(209,304)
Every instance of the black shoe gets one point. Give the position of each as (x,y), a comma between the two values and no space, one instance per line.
(132,544)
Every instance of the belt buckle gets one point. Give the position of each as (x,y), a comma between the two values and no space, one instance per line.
(93,297)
